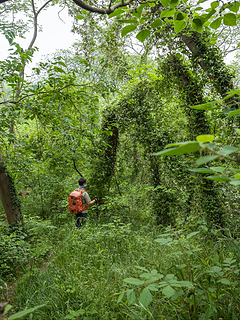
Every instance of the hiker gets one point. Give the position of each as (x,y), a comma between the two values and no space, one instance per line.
(86,201)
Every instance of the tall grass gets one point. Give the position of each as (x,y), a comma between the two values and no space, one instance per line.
(88,266)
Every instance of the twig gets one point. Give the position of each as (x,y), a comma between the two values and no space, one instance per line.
(75,167)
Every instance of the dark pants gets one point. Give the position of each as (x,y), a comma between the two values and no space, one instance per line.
(80,219)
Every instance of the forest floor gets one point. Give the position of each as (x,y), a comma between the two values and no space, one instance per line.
(124,271)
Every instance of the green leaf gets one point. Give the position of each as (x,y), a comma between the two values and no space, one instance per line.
(228,150)
(70,316)
(206,106)
(128,29)
(59,70)
(165,2)
(23,313)
(141,268)
(224,281)
(153,287)
(188,147)
(209,15)
(176,144)
(167,13)
(140,9)
(154,272)
(134,281)
(202,170)
(216,269)
(173,3)
(168,291)
(62,63)
(208,314)
(237,176)
(120,297)
(148,276)
(143,35)
(206,159)
(163,241)
(234,6)
(205,138)
(230,19)
(186,284)
(180,16)
(7,308)
(136,14)
(190,235)
(216,23)
(197,24)
(179,25)
(131,297)
(145,297)
(79,17)
(233,113)
(115,13)
(237,92)
(156,23)
(214,4)
(234,182)
(218,178)
(218,169)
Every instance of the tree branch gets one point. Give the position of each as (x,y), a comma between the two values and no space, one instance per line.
(44,92)
(75,167)
(36,13)
(109,10)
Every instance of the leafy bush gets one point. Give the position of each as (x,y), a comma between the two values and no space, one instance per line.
(24,248)
(202,283)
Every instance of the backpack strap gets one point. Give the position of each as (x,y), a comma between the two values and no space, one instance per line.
(84,206)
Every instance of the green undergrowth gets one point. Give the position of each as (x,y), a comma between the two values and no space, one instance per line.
(25,247)
(125,271)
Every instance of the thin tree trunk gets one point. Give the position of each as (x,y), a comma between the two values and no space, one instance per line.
(8,196)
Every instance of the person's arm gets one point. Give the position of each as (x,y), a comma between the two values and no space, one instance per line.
(91,202)
(88,200)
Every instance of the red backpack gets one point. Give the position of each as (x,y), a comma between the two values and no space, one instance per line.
(75,201)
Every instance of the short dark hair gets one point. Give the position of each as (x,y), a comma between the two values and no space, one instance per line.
(82,181)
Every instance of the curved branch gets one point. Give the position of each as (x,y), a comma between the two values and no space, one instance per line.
(35,21)
(75,167)
(109,10)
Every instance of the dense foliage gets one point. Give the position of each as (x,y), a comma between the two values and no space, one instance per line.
(155,132)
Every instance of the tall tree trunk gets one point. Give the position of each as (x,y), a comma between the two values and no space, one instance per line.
(136,110)
(8,196)
(104,164)
(210,59)
(189,84)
